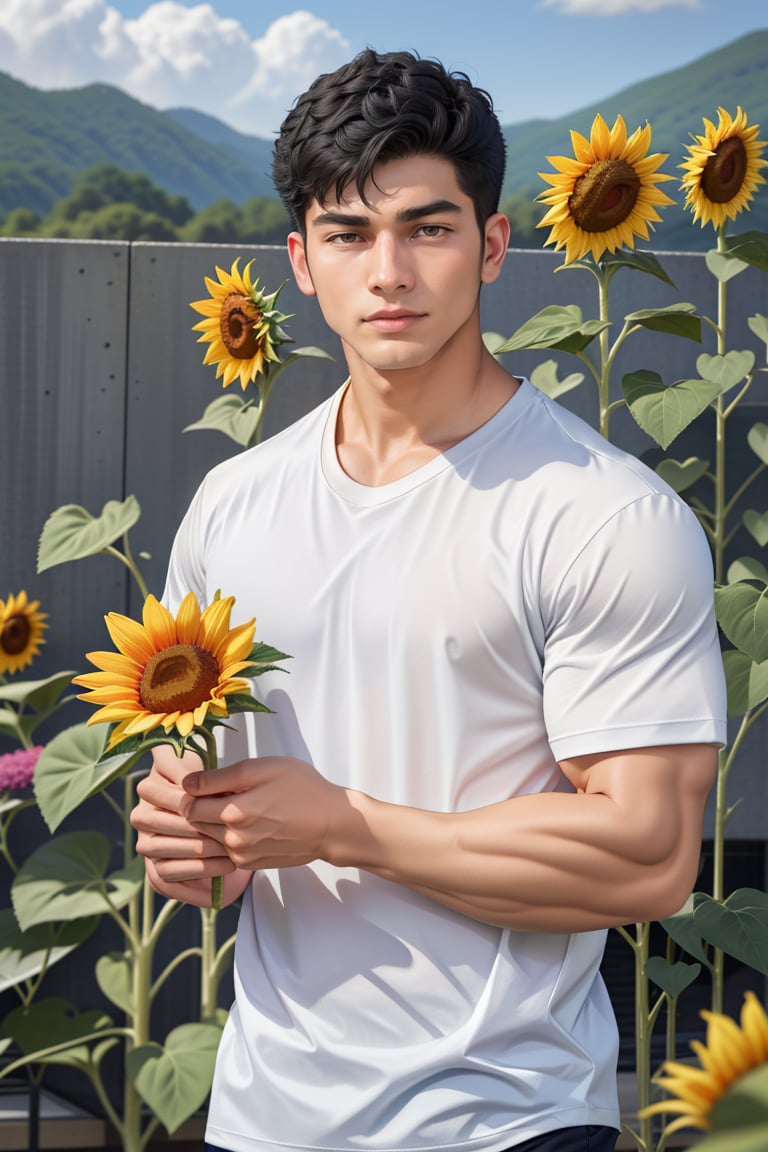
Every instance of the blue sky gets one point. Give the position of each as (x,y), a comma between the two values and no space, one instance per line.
(245,62)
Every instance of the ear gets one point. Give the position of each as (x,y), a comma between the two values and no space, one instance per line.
(496,243)
(297,254)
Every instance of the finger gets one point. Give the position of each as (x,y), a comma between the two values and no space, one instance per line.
(147,818)
(197,892)
(183,871)
(161,792)
(176,847)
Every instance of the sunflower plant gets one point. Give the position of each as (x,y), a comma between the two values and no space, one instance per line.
(244,331)
(601,201)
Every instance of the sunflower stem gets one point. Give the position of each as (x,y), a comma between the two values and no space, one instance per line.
(209,756)
(604,379)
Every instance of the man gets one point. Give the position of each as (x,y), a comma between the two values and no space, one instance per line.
(500,724)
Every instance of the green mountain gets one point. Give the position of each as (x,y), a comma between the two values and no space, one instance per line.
(47,137)
(674,104)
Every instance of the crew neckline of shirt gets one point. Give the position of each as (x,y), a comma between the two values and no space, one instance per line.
(366,496)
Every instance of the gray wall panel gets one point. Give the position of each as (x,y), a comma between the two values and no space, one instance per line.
(63,310)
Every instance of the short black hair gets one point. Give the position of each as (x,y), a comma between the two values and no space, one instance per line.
(380,107)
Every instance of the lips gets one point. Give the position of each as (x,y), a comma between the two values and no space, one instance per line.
(393,320)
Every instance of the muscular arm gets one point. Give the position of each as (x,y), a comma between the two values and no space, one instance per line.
(623,847)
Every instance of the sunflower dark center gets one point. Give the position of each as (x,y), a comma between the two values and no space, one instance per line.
(724,172)
(604,196)
(178,678)
(15,634)
(239,315)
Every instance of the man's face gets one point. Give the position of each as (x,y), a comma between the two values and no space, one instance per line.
(398,278)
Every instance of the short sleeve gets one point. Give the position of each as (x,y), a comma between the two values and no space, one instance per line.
(186,567)
(631,656)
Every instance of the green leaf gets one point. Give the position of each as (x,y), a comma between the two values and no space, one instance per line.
(232,415)
(671,978)
(663,412)
(9,722)
(66,879)
(752,1139)
(23,954)
(744,1105)
(175,1080)
(682,930)
(45,1023)
(308,350)
(727,370)
(747,682)
(751,247)
(747,568)
(682,474)
(759,325)
(677,319)
(493,341)
(640,261)
(739,926)
(72,533)
(70,770)
(555,327)
(757,438)
(38,694)
(544,377)
(113,975)
(742,613)
(756,523)
(723,266)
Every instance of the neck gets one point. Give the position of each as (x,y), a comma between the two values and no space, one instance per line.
(390,423)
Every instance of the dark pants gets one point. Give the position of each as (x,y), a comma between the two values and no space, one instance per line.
(590,1139)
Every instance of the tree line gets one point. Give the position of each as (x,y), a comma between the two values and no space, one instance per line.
(108,203)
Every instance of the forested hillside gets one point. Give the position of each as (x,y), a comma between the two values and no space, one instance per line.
(95,162)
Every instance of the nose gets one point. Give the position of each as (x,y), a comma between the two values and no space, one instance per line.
(389,269)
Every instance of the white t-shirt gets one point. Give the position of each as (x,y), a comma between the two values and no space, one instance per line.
(530,595)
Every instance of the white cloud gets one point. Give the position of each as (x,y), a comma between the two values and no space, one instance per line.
(616,7)
(171,55)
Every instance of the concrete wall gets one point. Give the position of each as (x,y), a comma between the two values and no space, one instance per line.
(100,371)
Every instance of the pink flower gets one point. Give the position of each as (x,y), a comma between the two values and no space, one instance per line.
(18,768)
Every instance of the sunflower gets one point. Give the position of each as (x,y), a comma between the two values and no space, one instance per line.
(169,673)
(21,632)
(728,1054)
(722,171)
(242,325)
(606,194)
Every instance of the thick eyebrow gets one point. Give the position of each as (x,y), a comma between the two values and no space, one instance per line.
(404,216)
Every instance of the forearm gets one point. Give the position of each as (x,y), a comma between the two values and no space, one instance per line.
(553,862)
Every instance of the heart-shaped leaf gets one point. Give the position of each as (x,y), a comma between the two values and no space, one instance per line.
(71,532)
(756,523)
(684,932)
(555,327)
(174,1080)
(66,879)
(747,682)
(113,975)
(70,770)
(544,377)
(671,978)
(232,415)
(682,474)
(757,438)
(724,267)
(759,325)
(747,568)
(742,613)
(738,927)
(677,319)
(727,370)
(23,954)
(663,412)
(45,1023)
